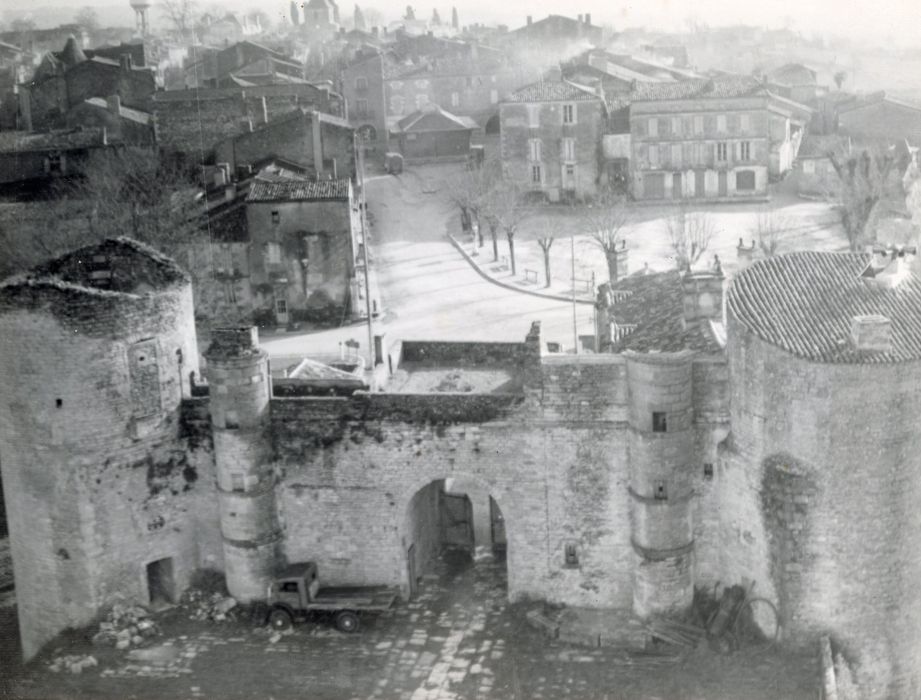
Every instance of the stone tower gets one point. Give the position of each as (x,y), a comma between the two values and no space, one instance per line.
(98,346)
(238,374)
(661,441)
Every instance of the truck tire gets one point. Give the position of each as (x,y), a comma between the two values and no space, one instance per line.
(347,621)
(280,620)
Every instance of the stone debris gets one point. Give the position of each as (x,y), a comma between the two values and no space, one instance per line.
(124,626)
(73,663)
(214,607)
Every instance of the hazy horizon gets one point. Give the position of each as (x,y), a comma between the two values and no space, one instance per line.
(859,19)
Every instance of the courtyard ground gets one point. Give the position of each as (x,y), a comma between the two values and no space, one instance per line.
(459,639)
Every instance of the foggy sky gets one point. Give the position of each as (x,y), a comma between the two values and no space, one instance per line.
(874,19)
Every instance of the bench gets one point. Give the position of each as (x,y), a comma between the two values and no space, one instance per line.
(530,275)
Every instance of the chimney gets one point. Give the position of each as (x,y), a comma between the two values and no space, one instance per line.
(702,297)
(125,61)
(114,103)
(580,19)
(264,111)
(588,18)
(374,32)
(871,333)
(529,20)
(317,143)
(744,254)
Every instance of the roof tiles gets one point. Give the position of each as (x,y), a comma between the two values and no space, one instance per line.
(804,303)
(298,190)
(551,91)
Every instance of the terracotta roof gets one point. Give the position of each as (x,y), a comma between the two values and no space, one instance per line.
(701,88)
(551,91)
(654,303)
(298,190)
(804,303)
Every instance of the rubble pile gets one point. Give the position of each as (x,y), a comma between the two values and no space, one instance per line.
(125,626)
(74,663)
(215,607)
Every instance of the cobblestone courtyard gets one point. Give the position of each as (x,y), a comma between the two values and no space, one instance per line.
(458,639)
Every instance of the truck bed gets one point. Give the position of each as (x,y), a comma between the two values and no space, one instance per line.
(354,598)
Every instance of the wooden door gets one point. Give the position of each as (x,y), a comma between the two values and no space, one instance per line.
(723,183)
(457,521)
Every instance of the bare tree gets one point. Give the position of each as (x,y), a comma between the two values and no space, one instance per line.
(768,230)
(552,228)
(863,177)
(87,18)
(505,207)
(606,220)
(180,14)
(131,192)
(469,190)
(689,235)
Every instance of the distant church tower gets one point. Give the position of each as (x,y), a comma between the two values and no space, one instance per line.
(141,8)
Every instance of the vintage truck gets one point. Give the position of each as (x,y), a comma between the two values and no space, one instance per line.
(296,595)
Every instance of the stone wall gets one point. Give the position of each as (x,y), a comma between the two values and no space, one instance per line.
(819,498)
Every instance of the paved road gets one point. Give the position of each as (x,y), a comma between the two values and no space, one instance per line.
(428,290)
(458,640)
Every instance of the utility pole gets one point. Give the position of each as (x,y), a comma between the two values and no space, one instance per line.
(362,206)
(575,332)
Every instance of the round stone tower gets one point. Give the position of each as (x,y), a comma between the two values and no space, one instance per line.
(822,471)
(96,353)
(661,443)
(238,375)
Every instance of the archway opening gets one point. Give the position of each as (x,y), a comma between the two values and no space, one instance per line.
(492,126)
(455,534)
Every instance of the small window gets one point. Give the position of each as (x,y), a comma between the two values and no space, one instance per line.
(494,97)
(708,470)
(745,180)
(660,492)
(569,114)
(289,587)
(698,124)
(722,151)
(361,83)
(534,150)
(659,422)
(361,107)
(745,122)
(676,155)
(533,116)
(653,127)
(276,217)
(281,306)
(653,156)
(535,174)
(422,99)
(570,170)
(569,149)
(676,126)
(721,123)
(571,555)
(455,99)
(236,482)
(745,150)
(273,253)
(58,403)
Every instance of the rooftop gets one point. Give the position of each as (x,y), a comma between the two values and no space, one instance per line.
(654,303)
(551,91)
(804,303)
(57,140)
(701,88)
(299,190)
(434,118)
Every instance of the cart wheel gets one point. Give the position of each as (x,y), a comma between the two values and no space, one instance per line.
(347,621)
(762,622)
(280,620)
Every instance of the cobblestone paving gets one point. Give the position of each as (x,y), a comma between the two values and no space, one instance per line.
(458,640)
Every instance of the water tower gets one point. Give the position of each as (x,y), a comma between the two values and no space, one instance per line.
(140,11)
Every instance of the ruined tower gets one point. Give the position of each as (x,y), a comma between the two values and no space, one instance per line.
(238,375)
(97,347)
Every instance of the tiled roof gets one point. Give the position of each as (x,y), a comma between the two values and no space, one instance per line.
(551,91)
(298,190)
(434,118)
(654,303)
(715,88)
(804,303)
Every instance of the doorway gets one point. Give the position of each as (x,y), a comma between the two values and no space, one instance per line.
(160,584)
(723,183)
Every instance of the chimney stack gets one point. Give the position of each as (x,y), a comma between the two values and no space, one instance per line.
(588,18)
(702,297)
(871,333)
(125,61)
(529,20)
(580,19)
(114,103)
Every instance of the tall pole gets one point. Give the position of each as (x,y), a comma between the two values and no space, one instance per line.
(362,204)
(575,332)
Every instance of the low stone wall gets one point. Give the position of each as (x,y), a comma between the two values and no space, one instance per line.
(464,354)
